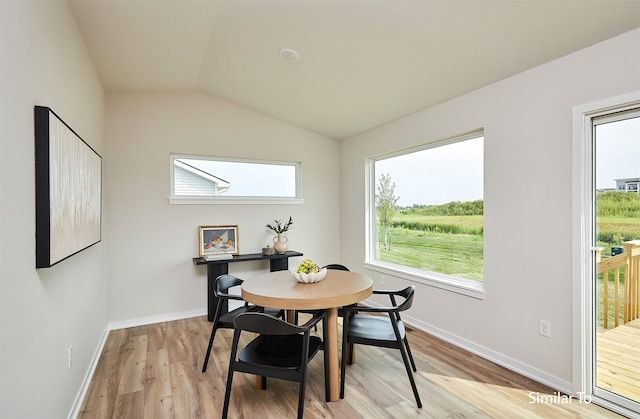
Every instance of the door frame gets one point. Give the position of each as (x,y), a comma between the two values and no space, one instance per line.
(582,268)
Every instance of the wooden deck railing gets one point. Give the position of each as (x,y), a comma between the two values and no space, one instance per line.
(625,266)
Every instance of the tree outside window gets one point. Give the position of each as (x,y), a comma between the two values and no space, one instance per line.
(386,201)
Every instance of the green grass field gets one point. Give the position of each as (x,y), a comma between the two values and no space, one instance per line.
(452,254)
(613,230)
(466,221)
(462,254)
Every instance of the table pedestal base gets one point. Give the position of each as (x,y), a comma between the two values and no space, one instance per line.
(331,352)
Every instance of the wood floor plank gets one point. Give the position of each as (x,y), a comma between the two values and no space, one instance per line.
(155,372)
(134,365)
(211,398)
(186,400)
(157,337)
(129,405)
(158,396)
(175,341)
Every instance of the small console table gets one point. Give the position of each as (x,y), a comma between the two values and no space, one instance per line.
(215,268)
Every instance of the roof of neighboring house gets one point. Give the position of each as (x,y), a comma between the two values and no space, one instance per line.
(222,184)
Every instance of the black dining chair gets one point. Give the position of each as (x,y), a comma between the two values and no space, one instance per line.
(378,330)
(339,268)
(282,350)
(225,321)
(335,266)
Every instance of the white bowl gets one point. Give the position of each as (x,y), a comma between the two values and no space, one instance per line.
(309,278)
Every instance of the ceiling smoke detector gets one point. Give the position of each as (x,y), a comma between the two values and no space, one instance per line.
(289,54)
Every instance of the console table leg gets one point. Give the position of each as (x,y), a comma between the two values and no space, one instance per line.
(214,271)
(220,267)
(279,264)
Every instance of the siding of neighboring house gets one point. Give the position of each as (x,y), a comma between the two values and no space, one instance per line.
(187,183)
(629,185)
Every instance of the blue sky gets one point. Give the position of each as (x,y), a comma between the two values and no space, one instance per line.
(437,175)
(251,178)
(617,152)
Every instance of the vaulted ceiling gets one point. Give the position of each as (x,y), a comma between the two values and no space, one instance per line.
(362,63)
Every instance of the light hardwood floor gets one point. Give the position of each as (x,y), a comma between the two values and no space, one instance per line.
(154,372)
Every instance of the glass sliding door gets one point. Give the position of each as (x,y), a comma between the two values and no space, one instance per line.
(616,264)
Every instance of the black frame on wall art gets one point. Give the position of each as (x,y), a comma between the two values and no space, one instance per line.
(68,190)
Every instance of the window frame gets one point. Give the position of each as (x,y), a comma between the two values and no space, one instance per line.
(219,199)
(464,286)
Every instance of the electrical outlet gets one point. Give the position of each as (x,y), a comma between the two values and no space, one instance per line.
(381,279)
(545,328)
(70,353)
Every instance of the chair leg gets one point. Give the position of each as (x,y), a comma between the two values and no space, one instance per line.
(406,344)
(301,399)
(303,377)
(326,361)
(214,327)
(232,366)
(407,366)
(343,361)
(206,358)
(227,395)
(350,351)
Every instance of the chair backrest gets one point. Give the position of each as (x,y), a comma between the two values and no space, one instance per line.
(336,266)
(408,294)
(266,325)
(223,283)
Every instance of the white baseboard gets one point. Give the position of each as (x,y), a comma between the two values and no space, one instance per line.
(526,370)
(77,405)
(167,317)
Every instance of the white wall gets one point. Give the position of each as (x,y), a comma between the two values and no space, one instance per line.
(44,311)
(527,124)
(152,243)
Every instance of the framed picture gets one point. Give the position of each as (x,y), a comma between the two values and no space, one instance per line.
(68,177)
(218,240)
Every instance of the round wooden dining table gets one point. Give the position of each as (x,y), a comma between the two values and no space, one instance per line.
(338,288)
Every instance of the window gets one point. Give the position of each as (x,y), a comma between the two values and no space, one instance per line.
(426,220)
(199,179)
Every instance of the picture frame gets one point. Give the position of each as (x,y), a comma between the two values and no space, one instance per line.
(218,240)
(68,190)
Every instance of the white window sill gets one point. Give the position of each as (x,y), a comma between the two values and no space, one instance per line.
(233,200)
(469,288)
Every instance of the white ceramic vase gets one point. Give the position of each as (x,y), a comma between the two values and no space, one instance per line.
(280,244)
